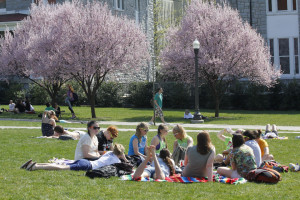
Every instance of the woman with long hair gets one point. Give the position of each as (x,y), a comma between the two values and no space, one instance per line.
(109,158)
(161,167)
(159,141)
(87,146)
(182,142)
(69,100)
(138,142)
(48,123)
(199,159)
(241,159)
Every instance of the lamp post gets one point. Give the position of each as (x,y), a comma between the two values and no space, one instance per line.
(196,46)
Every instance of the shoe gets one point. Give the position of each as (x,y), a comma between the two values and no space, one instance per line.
(29,168)
(24,166)
(294,168)
(151,123)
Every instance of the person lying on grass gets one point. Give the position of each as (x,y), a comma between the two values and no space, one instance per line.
(59,131)
(241,159)
(161,167)
(138,142)
(109,158)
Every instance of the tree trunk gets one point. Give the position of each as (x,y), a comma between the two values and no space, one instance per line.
(53,97)
(92,102)
(217,106)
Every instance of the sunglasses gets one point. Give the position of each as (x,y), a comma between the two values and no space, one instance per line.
(145,129)
(96,127)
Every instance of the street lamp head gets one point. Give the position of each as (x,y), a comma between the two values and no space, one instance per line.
(196,44)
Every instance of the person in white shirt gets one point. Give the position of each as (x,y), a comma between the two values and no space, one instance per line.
(87,146)
(188,115)
(11,106)
(249,137)
(111,157)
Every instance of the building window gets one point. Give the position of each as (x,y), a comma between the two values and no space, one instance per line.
(119,4)
(270,5)
(294,5)
(271,43)
(137,13)
(284,55)
(296,56)
(282,4)
(52,1)
(2,4)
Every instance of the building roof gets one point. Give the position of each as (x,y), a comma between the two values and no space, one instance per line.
(12,17)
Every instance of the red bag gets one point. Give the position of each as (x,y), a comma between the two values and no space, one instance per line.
(274,165)
(264,175)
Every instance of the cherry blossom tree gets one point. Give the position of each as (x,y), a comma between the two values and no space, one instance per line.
(34,50)
(229,50)
(99,44)
(84,41)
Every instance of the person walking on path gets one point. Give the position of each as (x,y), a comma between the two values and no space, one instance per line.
(69,100)
(158,99)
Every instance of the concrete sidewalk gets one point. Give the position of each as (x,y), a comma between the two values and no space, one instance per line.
(196,126)
(120,129)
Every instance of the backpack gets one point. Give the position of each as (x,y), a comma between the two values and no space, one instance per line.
(65,137)
(75,97)
(272,164)
(264,175)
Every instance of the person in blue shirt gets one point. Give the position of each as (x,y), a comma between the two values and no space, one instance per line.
(158,100)
(138,142)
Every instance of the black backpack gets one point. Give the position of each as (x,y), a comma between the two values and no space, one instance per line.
(75,97)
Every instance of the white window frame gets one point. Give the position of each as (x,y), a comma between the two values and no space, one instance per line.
(275,7)
(137,11)
(117,6)
(3,10)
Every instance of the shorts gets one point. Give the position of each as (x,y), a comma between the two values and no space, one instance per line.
(151,171)
(235,174)
(158,112)
(80,165)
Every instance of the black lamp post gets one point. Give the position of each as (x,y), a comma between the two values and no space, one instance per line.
(196,46)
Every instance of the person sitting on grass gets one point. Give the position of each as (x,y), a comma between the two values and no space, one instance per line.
(109,158)
(20,107)
(48,123)
(11,106)
(57,110)
(105,139)
(228,143)
(161,167)
(242,159)
(159,141)
(182,142)
(49,107)
(249,138)
(138,142)
(264,147)
(199,159)
(87,146)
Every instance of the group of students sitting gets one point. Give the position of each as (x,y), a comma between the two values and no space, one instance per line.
(20,106)
(245,152)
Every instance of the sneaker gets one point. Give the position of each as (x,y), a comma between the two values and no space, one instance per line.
(294,168)
(151,123)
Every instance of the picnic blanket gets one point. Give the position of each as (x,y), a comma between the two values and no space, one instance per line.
(277,138)
(177,178)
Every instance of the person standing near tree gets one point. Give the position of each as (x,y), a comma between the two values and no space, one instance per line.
(69,100)
(158,99)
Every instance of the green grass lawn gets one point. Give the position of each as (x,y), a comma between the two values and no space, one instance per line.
(237,117)
(17,146)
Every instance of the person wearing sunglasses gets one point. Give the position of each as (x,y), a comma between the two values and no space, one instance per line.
(105,139)
(159,141)
(138,142)
(87,146)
